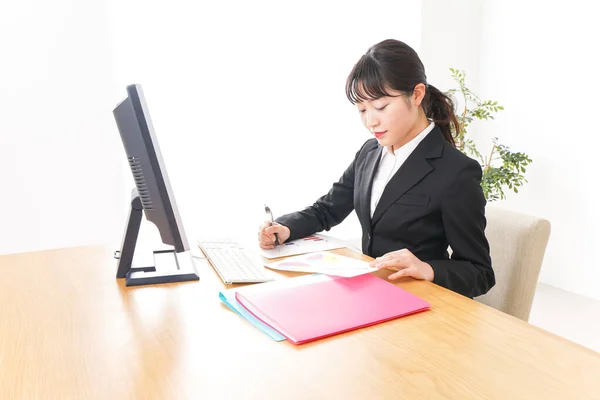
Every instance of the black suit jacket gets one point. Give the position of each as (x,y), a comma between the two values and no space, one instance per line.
(433,201)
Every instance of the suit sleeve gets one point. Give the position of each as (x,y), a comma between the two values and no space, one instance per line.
(328,211)
(469,271)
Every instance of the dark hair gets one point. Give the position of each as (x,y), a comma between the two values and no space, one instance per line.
(392,64)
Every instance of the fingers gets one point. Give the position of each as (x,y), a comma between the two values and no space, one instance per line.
(398,253)
(270,230)
(402,273)
(402,261)
(389,264)
(387,261)
(375,263)
(264,241)
(395,259)
(266,235)
(267,232)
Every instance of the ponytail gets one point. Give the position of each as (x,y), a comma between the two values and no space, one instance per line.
(440,108)
(395,65)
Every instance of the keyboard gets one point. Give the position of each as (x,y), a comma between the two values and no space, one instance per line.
(232,263)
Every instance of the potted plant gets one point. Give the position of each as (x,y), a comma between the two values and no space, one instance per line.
(503,168)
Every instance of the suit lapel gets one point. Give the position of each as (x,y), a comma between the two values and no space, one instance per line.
(371,164)
(415,168)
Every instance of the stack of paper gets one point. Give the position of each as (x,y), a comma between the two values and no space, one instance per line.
(307,244)
(324,263)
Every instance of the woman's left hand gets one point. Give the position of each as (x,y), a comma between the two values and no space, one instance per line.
(405,263)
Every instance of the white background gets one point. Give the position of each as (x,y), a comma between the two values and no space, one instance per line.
(247,99)
(248,103)
(60,155)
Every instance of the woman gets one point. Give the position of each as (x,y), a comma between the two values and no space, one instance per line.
(414,192)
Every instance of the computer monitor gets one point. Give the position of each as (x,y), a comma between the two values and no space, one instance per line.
(153,195)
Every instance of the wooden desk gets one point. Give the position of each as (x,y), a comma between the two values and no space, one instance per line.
(70,330)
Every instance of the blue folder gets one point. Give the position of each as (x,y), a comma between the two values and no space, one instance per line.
(228,297)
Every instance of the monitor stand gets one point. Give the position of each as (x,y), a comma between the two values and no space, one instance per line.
(169,267)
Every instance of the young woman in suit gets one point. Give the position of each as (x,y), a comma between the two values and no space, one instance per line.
(414,192)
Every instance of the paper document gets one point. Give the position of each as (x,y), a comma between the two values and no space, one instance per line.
(307,244)
(324,263)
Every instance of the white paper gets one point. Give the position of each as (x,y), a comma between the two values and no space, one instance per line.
(308,244)
(324,263)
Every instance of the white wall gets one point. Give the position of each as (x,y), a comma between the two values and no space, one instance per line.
(450,38)
(58,152)
(540,59)
(537,59)
(248,101)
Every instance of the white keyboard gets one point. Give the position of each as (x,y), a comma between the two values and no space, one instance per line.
(232,263)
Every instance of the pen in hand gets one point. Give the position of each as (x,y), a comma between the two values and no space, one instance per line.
(270,219)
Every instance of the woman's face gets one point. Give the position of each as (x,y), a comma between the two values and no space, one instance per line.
(394,120)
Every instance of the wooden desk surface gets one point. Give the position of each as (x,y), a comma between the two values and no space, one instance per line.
(70,330)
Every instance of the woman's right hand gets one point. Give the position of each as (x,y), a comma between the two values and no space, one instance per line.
(266,235)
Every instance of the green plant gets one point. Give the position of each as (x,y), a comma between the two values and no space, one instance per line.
(502,168)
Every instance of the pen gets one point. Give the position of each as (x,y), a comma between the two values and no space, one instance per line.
(270,219)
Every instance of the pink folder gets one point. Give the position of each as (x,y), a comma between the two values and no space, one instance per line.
(323,305)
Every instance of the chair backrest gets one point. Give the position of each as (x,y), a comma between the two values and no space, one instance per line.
(517,247)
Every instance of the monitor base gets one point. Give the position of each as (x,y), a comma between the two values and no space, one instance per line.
(169,265)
